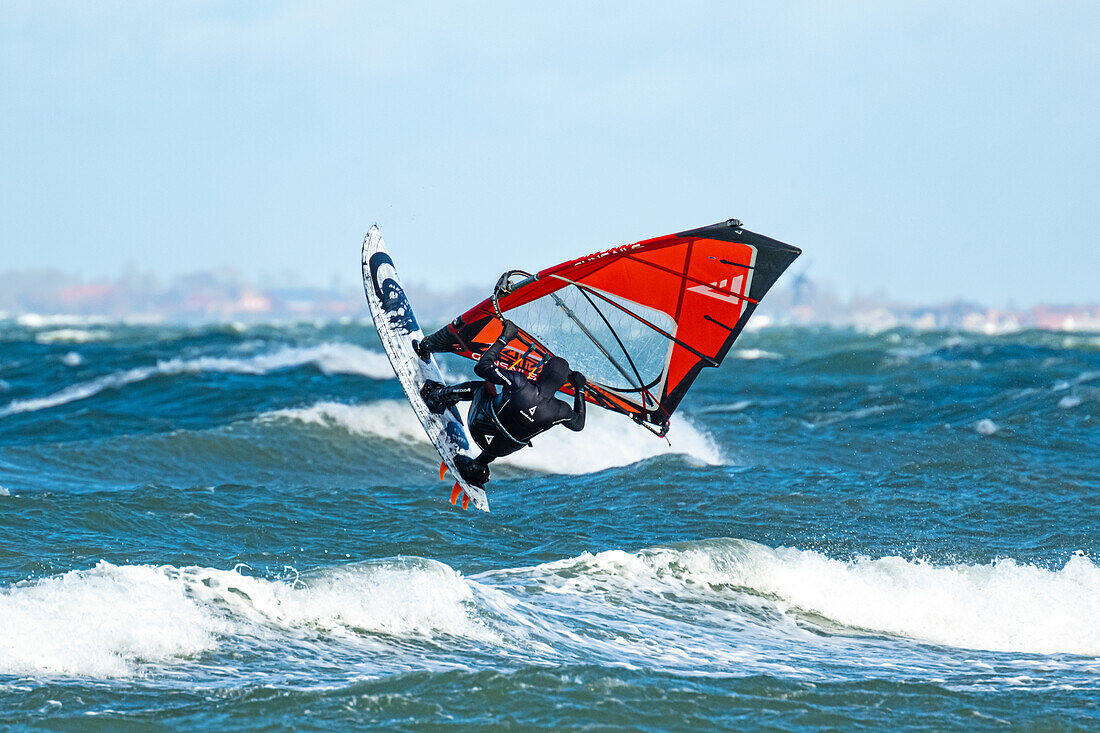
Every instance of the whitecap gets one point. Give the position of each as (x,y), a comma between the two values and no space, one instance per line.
(101,622)
(737,406)
(754,354)
(1000,606)
(38,320)
(607,441)
(110,620)
(985,426)
(71,335)
(331,358)
(823,419)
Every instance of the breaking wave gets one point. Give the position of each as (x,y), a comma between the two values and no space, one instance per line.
(72,336)
(601,445)
(754,354)
(1000,606)
(331,358)
(110,619)
(716,607)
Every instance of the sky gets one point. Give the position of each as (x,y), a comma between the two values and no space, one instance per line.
(920,150)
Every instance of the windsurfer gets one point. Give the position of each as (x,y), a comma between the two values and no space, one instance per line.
(503,423)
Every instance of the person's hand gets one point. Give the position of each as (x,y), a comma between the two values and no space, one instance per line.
(510,330)
(577,380)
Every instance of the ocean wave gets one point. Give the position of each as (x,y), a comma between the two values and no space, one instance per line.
(714,607)
(728,407)
(1001,606)
(100,622)
(985,426)
(754,354)
(845,416)
(331,358)
(72,336)
(38,320)
(607,441)
(109,620)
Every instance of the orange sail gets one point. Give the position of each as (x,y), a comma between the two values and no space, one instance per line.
(640,320)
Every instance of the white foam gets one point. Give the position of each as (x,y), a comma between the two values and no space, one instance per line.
(725,407)
(106,621)
(37,320)
(985,426)
(71,335)
(402,597)
(100,622)
(72,359)
(718,604)
(830,418)
(4,491)
(331,358)
(610,440)
(80,391)
(754,354)
(1073,342)
(392,419)
(1069,402)
(607,441)
(1001,606)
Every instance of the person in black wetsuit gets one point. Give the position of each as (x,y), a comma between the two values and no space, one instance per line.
(506,422)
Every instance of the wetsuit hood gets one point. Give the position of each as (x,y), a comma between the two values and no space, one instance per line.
(554,374)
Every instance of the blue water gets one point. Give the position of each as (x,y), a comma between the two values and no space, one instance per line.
(228,527)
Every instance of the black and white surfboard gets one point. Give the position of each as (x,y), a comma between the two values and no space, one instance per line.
(398,328)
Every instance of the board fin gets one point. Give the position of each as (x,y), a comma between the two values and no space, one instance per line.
(442,469)
(455,492)
(465,500)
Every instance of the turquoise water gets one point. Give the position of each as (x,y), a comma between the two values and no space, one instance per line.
(227,527)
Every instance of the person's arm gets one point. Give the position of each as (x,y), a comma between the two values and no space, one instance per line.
(580,386)
(486,367)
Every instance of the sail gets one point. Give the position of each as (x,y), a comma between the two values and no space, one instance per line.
(640,321)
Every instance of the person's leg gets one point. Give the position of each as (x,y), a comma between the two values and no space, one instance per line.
(439,397)
(442,340)
(483,429)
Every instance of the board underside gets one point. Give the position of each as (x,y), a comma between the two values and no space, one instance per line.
(398,328)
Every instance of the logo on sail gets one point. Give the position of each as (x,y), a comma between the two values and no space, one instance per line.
(727,290)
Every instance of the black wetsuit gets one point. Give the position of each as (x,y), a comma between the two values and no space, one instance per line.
(506,422)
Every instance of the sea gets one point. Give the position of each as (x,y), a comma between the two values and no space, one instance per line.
(241,527)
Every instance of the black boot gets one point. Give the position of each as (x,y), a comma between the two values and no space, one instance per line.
(474,472)
(431,393)
(441,340)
